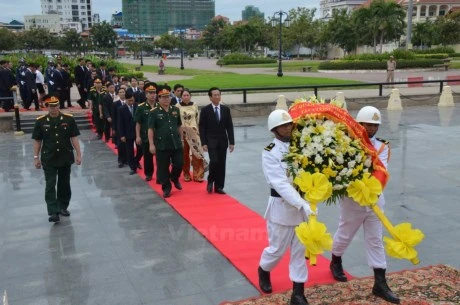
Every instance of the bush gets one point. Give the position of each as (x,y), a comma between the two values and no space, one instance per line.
(138,75)
(241,59)
(398,54)
(454,54)
(376,65)
(432,56)
(438,50)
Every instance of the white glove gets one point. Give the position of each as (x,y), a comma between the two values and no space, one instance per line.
(51,82)
(307,210)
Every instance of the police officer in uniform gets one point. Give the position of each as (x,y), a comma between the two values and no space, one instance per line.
(352,216)
(55,137)
(141,118)
(96,98)
(286,209)
(165,141)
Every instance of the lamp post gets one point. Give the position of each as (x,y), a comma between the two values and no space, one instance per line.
(287,23)
(142,57)
(182,49)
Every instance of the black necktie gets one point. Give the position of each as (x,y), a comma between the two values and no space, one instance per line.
(131,109)
(216,113)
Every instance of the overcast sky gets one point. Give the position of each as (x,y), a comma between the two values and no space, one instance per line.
(229,8)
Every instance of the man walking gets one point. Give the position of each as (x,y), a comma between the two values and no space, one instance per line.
(55,137)
(165,141)
(80,73)
(216,134)
(391,67)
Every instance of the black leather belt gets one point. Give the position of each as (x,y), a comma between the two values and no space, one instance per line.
(274,193)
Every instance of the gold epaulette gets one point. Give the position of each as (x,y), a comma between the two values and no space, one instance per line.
(383,141)
(67,114)
(141,104)
(93,89)
(270,147)
(41,117)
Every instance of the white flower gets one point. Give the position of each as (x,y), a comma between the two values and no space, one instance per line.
(368,162)
(318,159)
(339,158)
(337,187)
(351,164)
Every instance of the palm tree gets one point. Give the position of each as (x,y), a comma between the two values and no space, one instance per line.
(389,16)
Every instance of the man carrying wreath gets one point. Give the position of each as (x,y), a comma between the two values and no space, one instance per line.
(286,209)
(353,215)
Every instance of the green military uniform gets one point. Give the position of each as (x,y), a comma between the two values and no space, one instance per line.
(97,98)
(168,143)
(142,117)
(56,157)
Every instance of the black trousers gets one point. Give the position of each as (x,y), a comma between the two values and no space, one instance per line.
(217,164)
(30,98)
(148,160)
(121,151)
(165,158)
(133,160)
(83,96)
(107,130)
(60,199)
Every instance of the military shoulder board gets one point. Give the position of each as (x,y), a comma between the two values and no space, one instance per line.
(383,141)
(141,104)
(41,117)
(68,114)
(270,147)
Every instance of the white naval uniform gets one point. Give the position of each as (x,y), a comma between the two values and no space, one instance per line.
(352,216)
(283,214)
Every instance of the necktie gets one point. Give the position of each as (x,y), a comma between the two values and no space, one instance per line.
(131,109)
(216,113)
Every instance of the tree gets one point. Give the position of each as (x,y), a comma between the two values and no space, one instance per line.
(342,32)
(214,34)
(168,42)
(302,31)
(8,40)
(449,29)
(425,34)
(36,39)
(70,41)
(103,35)
(389,16)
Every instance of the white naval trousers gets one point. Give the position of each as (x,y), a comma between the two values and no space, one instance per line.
(351,217)
(281,238)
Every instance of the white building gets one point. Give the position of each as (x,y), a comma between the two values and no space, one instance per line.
(47,21)
(70,11)
(429,9)
(326,7)
(71,26)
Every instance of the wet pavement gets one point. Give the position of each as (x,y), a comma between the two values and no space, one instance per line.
(124,245)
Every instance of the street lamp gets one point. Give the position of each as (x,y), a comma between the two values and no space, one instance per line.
(142,51)
(182,49)
(287,23)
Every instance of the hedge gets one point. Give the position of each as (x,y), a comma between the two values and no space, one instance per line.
(432,56)
(437,50)
(398,54)
(242,59)
(376,65)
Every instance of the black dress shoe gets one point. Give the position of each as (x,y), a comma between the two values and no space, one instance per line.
(209,188)
(220,191)
(120,165)
(167,194)
(64,212)
(148,178)
(132,172)
(54,218)
(177,185)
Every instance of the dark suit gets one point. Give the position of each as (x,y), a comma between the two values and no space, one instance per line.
(59,86)
(175,100)
(66,89)
(31,87)
(127,129)
(102,73)
(107,103)
(139,96)
(7,80)
(217,135)
(120,145)
(80,73)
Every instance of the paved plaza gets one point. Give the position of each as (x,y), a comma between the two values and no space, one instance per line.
(123,244)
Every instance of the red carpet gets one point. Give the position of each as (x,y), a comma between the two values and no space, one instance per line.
(236,231)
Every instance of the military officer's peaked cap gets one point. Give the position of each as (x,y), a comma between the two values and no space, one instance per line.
(150,86)
(97,80)
(164,90)
(50,100)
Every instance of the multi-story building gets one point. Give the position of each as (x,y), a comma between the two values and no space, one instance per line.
(251,11)
(423,10)
(117,20)
(50,22)
(326,7)
(70,11)
(157,17)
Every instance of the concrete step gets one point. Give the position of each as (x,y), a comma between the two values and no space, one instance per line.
(28,122)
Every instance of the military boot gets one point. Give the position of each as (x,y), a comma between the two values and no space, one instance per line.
(336,269)
(264,280)
(381,288)
(298,297)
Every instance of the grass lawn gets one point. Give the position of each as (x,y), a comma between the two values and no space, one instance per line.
(227,80)
(174,71)
(288,65)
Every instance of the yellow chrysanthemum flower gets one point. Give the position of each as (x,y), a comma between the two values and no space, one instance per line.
(365,191)
(357,170)
(329,172)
